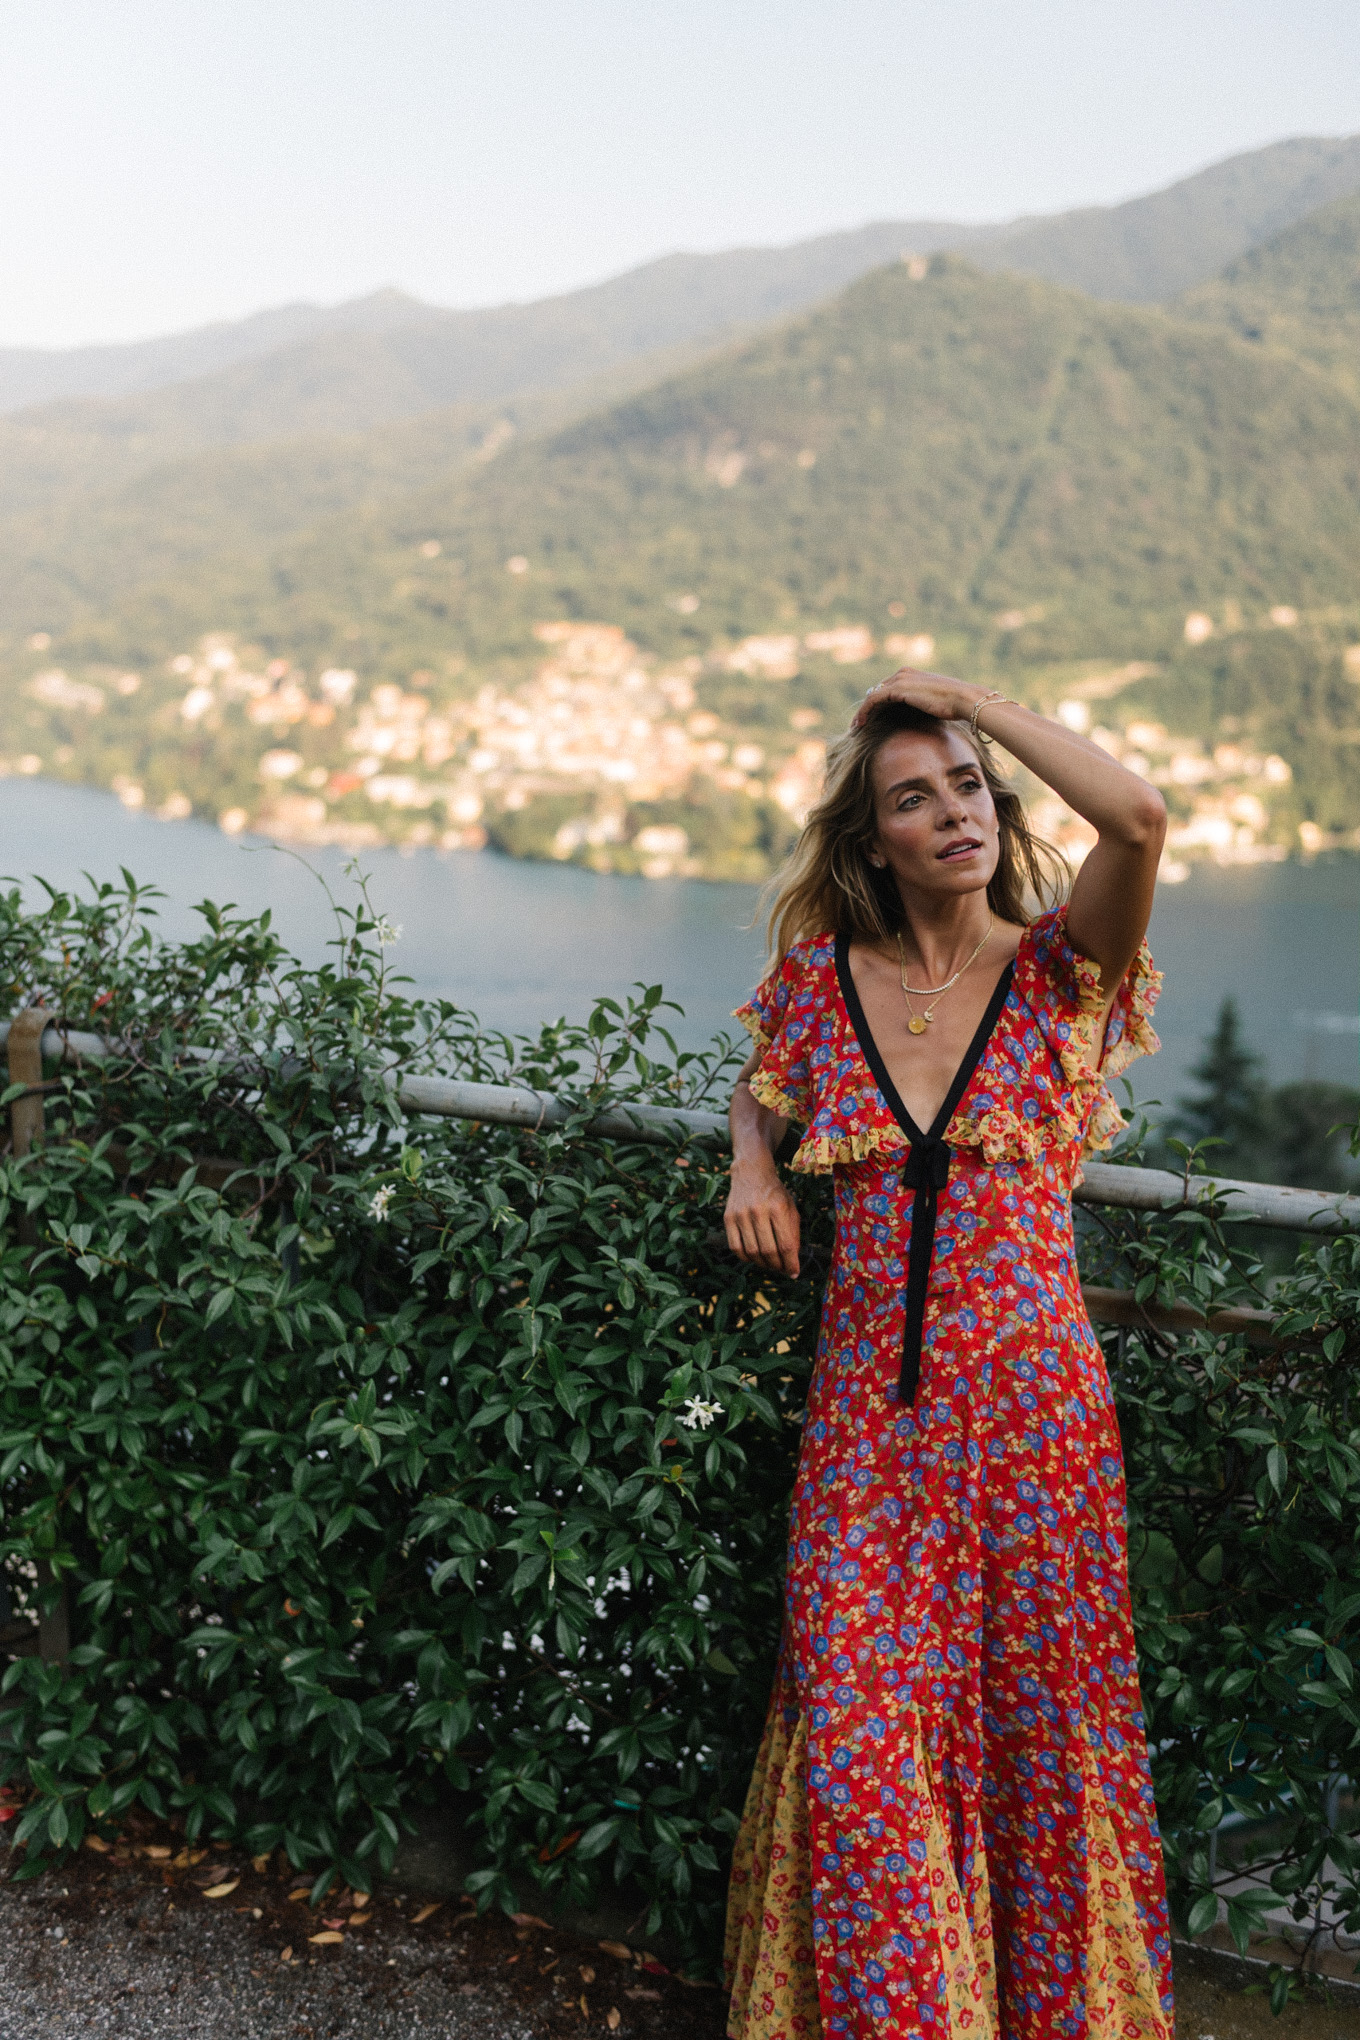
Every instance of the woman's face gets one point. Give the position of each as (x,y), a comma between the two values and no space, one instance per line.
(937,828)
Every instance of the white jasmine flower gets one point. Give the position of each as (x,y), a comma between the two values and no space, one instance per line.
(388,932)
(382,1200)
(697,1415)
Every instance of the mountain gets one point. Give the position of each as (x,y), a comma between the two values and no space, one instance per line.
(466,355)
(342,369)
(96,497)
(1156,247)
(38,375)
(1299,294)
(961,444)
(303,373)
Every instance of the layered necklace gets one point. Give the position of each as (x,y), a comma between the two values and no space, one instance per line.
(917,1022)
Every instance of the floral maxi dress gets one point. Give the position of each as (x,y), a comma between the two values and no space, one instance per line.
(950,1831)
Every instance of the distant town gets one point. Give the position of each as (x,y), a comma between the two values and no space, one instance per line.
(602,756)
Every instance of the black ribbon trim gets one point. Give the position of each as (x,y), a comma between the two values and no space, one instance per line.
(925,1171)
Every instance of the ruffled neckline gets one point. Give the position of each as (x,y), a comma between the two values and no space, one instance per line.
(848,1120)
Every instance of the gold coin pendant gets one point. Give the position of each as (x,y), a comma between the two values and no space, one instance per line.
(916,1025)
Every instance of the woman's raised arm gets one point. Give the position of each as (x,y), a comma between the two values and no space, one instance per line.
(1112,896)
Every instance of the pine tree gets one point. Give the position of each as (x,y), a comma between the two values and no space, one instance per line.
(1230,1104)
(1310,1123)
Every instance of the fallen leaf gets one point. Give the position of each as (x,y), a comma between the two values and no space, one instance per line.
(330,1939)
(637,1991)
(613,2019)
(291,1608)
(585,2008)
(157,1852)
(549,1854)
(510,1960)
(548,1966)
(303,1891)
(98,1844)
(287,1954)
(222,1890)
(333,1923)
(653,1967)
(259,1864)
(617,1949)
(426,1912)
(361,1919)
(9,1813)
(587,1973)
(529,1920)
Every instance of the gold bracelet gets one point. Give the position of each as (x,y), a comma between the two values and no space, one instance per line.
(981,736)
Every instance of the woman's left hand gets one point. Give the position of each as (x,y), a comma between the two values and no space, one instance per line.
(933,693)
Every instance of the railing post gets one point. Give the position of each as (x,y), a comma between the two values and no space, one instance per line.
(25,1067)
(26,1124)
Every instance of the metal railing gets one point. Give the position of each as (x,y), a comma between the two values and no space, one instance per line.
(1278,1205)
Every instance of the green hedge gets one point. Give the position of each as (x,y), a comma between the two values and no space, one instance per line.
(425,1459)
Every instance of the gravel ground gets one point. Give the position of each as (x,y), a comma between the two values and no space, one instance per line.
(130,1944)
(1211,2004)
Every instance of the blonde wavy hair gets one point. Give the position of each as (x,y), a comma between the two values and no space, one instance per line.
(828,884)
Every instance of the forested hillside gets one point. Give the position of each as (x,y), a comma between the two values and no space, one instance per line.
(1298,295)
(91,419)
(959,443)
(1151,248)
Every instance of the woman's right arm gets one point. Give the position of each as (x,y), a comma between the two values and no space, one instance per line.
(761,1217)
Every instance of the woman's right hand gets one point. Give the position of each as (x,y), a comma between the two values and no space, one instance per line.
(761,1218)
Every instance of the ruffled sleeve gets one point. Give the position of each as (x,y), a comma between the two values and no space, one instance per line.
(811,1069)
(1043,1081)
(781,1018)
(1063,992)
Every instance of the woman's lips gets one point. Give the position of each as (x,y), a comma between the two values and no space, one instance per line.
(963,849)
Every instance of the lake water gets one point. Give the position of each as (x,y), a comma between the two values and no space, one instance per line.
(520,943)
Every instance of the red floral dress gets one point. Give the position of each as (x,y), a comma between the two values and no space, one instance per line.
(950,1831)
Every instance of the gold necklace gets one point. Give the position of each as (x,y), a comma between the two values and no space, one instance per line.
(916,1022)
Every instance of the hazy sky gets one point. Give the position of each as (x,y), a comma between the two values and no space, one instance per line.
(168,162)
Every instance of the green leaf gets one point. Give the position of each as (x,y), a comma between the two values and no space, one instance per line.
(221,1303)
(1203,1914)
(597,1838)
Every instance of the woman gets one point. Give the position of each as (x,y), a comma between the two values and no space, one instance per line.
(950,1831)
